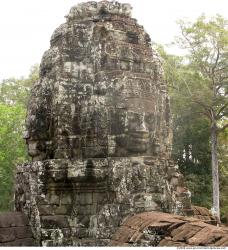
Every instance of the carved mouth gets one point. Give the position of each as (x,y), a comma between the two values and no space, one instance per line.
(139,135)
(138,141)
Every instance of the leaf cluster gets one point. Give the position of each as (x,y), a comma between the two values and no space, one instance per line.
(13,101)
(198,87)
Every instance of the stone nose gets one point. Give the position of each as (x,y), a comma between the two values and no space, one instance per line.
(141,126)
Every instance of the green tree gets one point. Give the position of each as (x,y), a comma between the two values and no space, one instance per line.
(207,44)
(191,130)
(12,149)
(13,101)
(16,91)
(198,87)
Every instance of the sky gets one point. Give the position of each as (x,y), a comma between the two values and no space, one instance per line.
(26,26)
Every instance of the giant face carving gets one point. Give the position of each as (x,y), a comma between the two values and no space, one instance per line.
(137,126)
(121,122)
(134,121)
(104,95)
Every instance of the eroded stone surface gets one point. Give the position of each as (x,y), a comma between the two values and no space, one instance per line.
(62,194)
(101,92)
(204,214)
(98,130)
(162,229)
(15,230)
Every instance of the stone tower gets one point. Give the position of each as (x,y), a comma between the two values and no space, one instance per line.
(98,131)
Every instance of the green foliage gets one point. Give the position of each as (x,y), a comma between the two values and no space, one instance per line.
(191,148)
(16,91)
(198,89)
(206,79)
(12,149)
(13,101)
(201,188)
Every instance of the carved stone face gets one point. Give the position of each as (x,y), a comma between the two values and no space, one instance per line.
(119,122)
(138,132)
(102,99)
(138,136)
(135,126)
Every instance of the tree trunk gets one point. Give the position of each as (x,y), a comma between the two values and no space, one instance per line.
(215,172)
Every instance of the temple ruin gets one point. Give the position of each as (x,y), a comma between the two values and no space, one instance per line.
(98,130)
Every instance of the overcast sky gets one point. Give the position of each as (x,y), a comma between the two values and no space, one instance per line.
(27,25)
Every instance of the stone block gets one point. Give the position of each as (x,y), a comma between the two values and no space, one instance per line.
(63,209)
(83,233)
(86,198)
(66,199)
(23,232)
(125,207)
(27,242)
(13,219)
(99,198)
(55,221)
(139,204)
(46,209)
(58,175)
(7,234)
(76,173)
(89,209)
(86,242)
(42,200)
(53,199)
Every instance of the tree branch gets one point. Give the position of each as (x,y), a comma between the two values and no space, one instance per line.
(208,112)
(223,128)
(216,60)
(218,116)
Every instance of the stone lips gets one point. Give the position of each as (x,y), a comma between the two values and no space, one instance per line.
(98,130)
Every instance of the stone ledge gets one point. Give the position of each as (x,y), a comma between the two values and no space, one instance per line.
(26,242)
(13,219)
(55,221)
(11,233)
(15,230)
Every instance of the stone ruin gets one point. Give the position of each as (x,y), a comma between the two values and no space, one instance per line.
(169,230)
(98,130)
(15,230)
